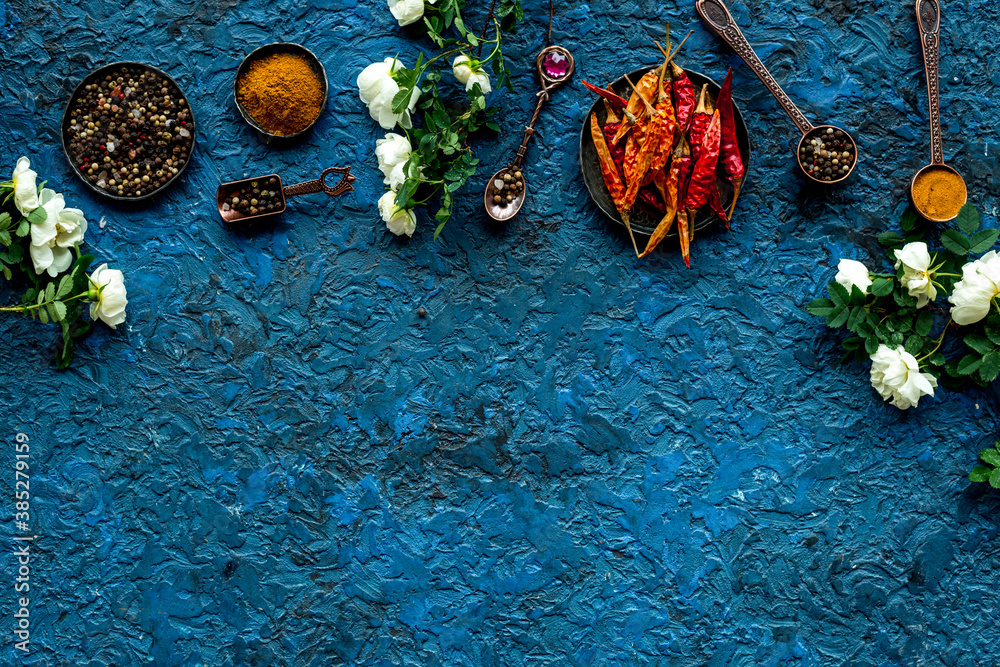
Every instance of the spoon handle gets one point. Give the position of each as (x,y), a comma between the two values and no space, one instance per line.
(929,20)
(717,16)
(320,185)
(529,131)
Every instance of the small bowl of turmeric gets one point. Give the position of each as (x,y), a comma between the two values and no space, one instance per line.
(280,89)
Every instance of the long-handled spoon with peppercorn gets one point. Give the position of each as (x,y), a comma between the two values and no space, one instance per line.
(506,189)
(937,191)
(826,154)
(260,196)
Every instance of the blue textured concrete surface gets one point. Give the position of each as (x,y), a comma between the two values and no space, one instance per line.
(577,457)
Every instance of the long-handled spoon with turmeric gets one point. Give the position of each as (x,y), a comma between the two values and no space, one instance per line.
(937,190)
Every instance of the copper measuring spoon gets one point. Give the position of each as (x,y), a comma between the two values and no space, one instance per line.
(817,141)
(929,20)
(506,189)
(227,190)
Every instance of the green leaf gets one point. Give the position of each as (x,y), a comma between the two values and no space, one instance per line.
(473,41)
(820,307)
(909,220)
(7,274)
(979,343)
(23,228)
(980,474)
(871,345)
(856,317)
(43,316)
(995,479)
(37,216)
(890,239)
(968,218)
(913,344)
(401,100)
(983,240)
(493,125)
(991,367)
(881,286)
(50,291)
(969,364)
(5,237)
(838,317)
(955,241)
(924,323)
(991,456)
(992,333)
(65,287)
(838,293)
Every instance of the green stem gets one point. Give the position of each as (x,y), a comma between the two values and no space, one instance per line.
(24,309)
(949,275)
(939,341)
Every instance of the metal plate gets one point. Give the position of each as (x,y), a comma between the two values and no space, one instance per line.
(642,221)
(79,91)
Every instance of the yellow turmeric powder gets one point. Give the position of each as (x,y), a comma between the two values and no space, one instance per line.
(939,193)
(282,93)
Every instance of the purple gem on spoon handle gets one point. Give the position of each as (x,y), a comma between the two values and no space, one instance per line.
(556,64)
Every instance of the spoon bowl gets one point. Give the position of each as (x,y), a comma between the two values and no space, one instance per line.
(931,213)
(508,182)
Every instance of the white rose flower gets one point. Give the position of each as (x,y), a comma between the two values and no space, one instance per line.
(470,73)
(851,273)
(52,240)
(399,220)
(392,152)
(377,88)
(407,11)
(974,293)
(896,375)
(108,303)
(25,190)
(916,263)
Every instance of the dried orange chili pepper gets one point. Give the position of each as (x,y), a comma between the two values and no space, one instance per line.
(608,169)
(663,150)
(658,129)
(669,186)
(643,92)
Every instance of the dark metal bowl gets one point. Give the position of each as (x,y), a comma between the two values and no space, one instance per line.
(78,92)
(642,221)
(264,51)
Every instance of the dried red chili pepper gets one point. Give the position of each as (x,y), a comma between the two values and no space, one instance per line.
(608,169)
(618,102)
(685,236)
(700,119)
(730,160)
(703,172)
(715,203)
(684,98)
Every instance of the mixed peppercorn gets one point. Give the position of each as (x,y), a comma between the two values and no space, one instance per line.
(258,197)
(507,187)
(827,154)
(129,132)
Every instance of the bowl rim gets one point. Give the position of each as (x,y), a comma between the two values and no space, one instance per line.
(63,126)
(635,75)
(277,47)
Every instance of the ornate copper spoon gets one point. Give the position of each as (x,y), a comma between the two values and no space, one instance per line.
(234,212)
(505,190)
(932,205)
(826,154)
